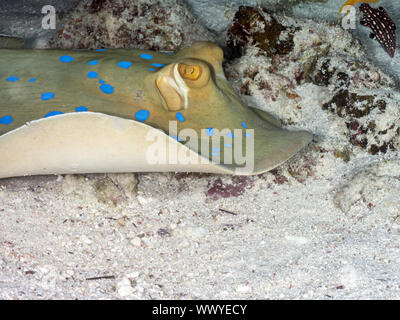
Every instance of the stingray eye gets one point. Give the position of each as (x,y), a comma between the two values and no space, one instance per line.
(189,72)
(194,75)
(176,81)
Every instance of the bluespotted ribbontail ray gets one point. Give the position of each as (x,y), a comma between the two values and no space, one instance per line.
(92,111)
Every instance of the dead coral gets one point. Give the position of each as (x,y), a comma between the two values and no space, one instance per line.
(361,113)
(257,27)
(326,61)
(351,74)
(345,103)
(142,24)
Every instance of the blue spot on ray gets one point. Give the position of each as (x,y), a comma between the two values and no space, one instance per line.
(228,145)
(176,138)
(230,135)
(216,149)
(152,69)
(32,79)
(101,81)
(6,120)
(81,109)
(12,79)
(93,63)
(247,134)
(179,116)
(107,88)
(47,95)
(210,131)
(244,125)
(99,50)
(53,113)
(124,64)
(214,154)
(66,59)
(146,56)
(142,115)
(92,74)
(158,65)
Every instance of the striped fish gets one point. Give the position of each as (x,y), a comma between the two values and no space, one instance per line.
(382,26)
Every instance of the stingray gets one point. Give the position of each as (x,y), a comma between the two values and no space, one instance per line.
(128,110)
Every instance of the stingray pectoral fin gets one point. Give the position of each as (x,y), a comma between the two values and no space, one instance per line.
(267,117)
(274,146)
(10,42)
(91,143)
(97,143)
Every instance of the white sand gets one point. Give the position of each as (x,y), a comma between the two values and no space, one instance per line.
(314,240)
(317,228)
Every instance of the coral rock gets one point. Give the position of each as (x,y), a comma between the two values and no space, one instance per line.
(143,24)
(257,27)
